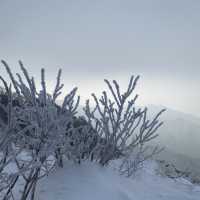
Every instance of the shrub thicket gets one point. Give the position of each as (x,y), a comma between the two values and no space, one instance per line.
(36,134)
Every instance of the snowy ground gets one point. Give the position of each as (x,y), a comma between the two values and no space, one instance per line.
(90,181)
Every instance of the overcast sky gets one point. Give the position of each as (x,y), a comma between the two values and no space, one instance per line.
(93,40)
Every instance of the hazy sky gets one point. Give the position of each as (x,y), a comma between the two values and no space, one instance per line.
(93,40)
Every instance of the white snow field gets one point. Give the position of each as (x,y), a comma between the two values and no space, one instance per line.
(92,182)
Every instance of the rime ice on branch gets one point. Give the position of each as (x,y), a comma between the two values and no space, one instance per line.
(119,124)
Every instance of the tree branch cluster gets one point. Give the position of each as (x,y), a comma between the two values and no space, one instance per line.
(36,134)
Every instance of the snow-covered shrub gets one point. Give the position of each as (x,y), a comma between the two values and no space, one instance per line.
(7,137)
(134,161)
(36,134)
(83,140)
(42,127)
(120,126)
(170,170)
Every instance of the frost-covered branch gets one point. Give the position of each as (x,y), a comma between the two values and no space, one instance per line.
(119,124)
(42,128)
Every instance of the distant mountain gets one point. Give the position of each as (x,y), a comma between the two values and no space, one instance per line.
(180,135)
(173,114)
(180,132)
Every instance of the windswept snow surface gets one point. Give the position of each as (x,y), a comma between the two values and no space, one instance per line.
(92,182)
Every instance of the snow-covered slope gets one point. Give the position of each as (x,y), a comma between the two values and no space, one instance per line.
(180,132)
(180,135)
(90,181)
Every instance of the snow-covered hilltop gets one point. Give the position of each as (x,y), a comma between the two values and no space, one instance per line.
(90,181)
(48,152)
